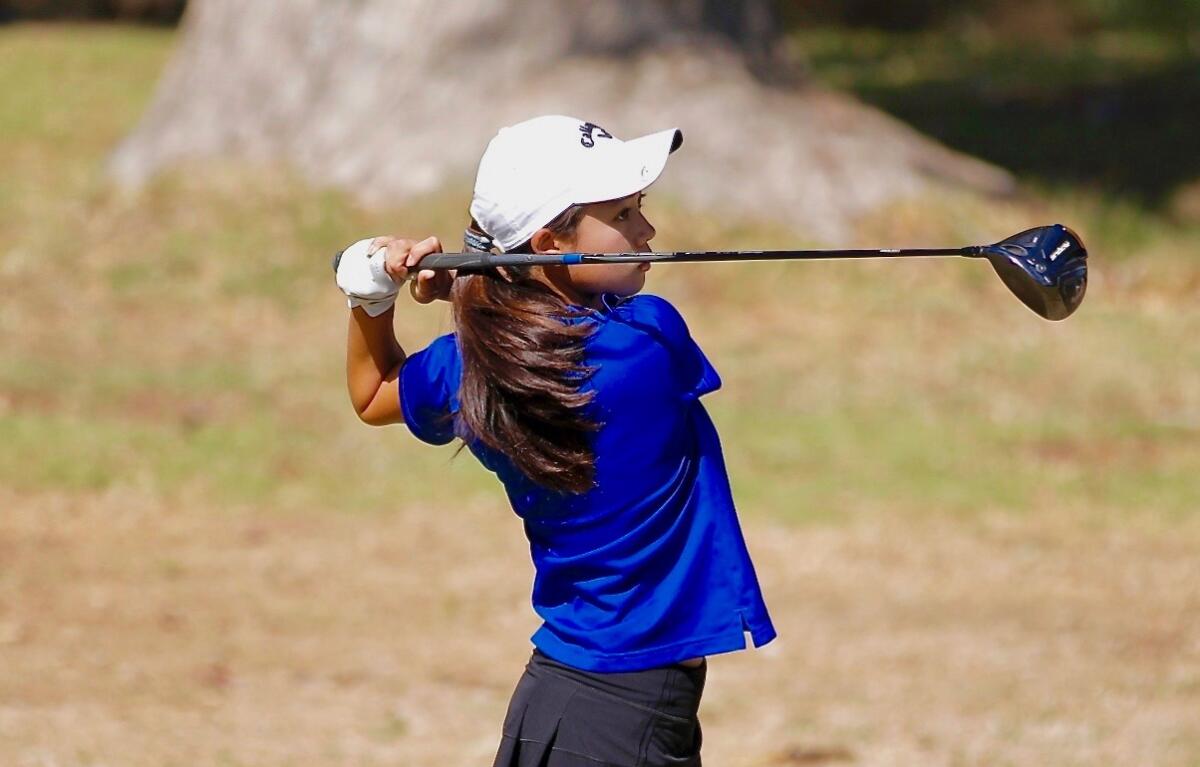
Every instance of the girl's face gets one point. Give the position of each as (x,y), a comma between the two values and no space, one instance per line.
(616,226)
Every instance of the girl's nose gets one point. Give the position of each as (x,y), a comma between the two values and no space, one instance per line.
(648,232)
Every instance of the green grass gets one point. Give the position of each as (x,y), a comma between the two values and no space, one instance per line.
(258,460)
(820,466)
(189,343)
(52,83)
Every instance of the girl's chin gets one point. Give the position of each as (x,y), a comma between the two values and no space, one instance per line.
(631,288)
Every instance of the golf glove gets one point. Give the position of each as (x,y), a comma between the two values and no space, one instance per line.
(363,279)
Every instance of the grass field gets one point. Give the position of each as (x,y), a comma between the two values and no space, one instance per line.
(978,532)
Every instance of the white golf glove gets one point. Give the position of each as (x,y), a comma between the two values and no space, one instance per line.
(364,280)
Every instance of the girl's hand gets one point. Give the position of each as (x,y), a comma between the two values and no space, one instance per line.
(404,255)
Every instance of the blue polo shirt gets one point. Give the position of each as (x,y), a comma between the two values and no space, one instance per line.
(649,567)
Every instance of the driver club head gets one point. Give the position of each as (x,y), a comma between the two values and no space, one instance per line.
(1045,267)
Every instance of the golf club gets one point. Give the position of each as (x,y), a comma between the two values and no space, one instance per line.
(1045,267)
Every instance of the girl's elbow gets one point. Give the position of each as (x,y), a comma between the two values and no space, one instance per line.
(362,409)
(380,419)
(368,414)
(367,418)
(380,411)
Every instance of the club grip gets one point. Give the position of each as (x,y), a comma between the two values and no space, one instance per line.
(475,261)
(438,261)
(455,261)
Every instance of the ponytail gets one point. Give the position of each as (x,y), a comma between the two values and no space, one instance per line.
(523,366)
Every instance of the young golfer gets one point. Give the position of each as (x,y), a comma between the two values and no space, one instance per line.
(583,397)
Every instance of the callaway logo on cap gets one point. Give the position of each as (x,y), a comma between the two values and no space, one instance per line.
(534,170)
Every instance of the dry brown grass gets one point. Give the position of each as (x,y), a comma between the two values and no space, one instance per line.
(137,631)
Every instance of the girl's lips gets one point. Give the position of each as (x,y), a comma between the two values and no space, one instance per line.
(644,267)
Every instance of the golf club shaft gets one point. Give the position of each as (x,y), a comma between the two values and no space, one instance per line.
(485,260)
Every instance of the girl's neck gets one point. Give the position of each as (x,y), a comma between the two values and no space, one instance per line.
(559,280)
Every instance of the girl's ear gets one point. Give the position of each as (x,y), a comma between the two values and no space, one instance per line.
(546,241)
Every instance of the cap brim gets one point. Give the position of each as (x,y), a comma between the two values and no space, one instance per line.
(643,161)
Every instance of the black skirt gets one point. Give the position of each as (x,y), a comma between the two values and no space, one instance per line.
(561,716)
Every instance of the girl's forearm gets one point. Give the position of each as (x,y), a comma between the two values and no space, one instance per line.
(373,360)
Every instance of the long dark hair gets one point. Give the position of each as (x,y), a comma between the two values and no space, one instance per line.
(523,367)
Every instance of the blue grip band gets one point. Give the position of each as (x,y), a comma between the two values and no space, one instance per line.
(572,258)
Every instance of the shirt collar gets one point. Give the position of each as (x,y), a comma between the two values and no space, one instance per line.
(608,303)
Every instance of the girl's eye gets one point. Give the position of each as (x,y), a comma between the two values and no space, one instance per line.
(624,214)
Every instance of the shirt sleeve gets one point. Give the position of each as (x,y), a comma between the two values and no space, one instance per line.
(696,375)
(429,391)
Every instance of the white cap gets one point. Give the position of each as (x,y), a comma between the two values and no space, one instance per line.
(534,170)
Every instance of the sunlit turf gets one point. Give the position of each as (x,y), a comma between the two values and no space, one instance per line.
(259,460)
(76,86)
(187,339)
(825,465)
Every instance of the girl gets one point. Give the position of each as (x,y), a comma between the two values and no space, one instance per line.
(583,397)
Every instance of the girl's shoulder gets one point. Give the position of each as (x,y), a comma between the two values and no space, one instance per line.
(439,360)
(651,333)
(648,311)
(442,349)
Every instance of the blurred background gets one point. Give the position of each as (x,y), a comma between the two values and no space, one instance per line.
(978,531)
